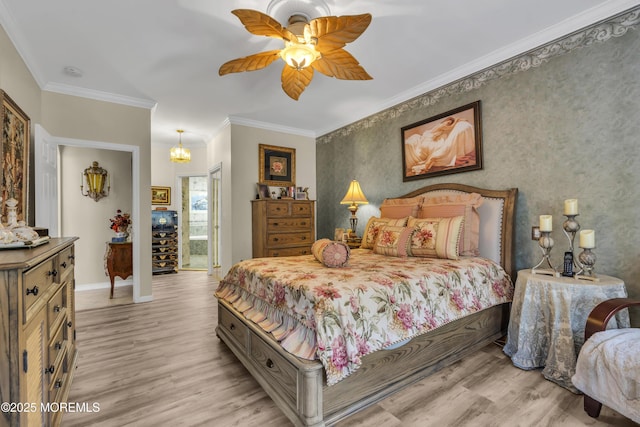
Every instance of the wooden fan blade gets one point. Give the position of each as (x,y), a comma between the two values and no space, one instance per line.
(262,25)
(334,32)
(341,65)
(249,63)
(294,82)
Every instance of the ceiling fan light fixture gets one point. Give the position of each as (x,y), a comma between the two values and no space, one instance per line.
(179,154)
(299,55)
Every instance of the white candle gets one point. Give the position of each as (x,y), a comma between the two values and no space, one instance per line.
(587,239)
(571,207)
(546,223)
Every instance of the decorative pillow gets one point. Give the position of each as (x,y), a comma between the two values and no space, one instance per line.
(436,237)
(451,205)
(393,240)
(400,208)
(373,226)
(330,253)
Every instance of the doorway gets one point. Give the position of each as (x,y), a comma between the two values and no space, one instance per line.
(193,222)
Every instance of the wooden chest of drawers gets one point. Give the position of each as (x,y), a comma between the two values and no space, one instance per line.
(282,227)
(37,318)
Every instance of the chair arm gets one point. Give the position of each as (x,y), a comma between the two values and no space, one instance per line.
(603,312)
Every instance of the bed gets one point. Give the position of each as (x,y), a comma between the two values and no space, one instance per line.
(310,390)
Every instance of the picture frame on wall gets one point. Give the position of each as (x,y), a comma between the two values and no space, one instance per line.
(276,165)
(448,143)
(160,195)
(14,151)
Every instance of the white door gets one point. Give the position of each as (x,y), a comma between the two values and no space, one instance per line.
(46,176)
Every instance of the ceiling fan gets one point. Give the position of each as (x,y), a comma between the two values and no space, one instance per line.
(315,44)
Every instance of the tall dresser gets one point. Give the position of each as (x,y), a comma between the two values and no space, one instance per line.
(282,227)
(37,332)
(164,242)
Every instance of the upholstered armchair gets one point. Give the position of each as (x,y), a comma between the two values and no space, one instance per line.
(608,367)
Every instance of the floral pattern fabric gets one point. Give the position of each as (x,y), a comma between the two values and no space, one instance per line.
(339,315)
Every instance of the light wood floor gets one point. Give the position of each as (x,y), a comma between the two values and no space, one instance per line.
(161,364)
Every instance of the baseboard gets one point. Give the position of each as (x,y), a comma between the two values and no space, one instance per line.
(102,285)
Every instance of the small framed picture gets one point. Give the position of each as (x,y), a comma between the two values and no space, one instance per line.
(160,195)
(277,165)
(263,191)
(337,234)
(301,195)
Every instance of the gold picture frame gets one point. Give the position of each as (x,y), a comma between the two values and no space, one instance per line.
(448,143)
(277,166)
(14,151)
(160,195)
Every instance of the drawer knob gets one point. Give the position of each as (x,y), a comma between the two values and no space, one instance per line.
(53,273)
(304,238)
(275,224)
(69,323)
(269,363)
(232,326)
(58,345)
(64,264)
(33,291)
(50,370)
(71,257)
(57,384)
(56,309)
(275,239)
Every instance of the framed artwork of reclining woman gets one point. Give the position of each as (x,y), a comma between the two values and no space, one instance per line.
(448,143)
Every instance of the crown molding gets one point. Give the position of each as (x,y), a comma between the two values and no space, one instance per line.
(477,73)
(15,34)
(234,120)
(99,95)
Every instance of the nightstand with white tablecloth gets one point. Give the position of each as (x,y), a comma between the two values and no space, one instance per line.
(548,316)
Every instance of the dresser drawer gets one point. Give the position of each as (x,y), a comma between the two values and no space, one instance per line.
(36,282)
(278,209)
(289,239)
(56,386)
(232,325)
(57,345)
(281,373)
(66,261)
(300,250)
(300,209)
(56,308)
(286,224)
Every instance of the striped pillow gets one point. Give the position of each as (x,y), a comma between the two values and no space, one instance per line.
(393,240)
(373,226)
(436,237)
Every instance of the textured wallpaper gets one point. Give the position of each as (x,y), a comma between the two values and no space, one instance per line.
(566,128)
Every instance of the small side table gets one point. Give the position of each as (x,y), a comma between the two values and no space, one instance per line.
(118,261)
(548,316)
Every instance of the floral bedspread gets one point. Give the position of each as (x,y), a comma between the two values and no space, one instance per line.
(338,315)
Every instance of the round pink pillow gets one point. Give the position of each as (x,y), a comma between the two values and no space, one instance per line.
(331,254)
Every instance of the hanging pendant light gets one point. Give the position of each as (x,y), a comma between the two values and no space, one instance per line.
(179,154)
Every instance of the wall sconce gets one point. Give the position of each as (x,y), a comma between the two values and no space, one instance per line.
(354,197)
(96,177)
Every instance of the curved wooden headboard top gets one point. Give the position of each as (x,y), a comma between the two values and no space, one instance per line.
(497,219)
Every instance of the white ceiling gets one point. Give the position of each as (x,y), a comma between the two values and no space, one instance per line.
(166,53)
